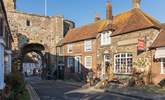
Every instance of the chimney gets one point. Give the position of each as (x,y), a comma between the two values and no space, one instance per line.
(136,3)
(108,10)
(97,18)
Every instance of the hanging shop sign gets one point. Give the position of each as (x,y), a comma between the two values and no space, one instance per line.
(141,45)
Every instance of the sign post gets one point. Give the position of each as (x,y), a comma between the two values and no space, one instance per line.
(45,7)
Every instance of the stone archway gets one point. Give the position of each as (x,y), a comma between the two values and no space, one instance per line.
(36,48)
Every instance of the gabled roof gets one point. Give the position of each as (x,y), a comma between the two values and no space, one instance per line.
(91,30)
(137,20)
(125,22)
(160,40)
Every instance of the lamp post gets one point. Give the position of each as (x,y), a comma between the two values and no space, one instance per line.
(45,7)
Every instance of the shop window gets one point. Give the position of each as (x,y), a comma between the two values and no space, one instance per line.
(123,63)
(163,66)
(88,62)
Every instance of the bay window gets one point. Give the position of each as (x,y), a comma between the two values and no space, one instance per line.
(123,63)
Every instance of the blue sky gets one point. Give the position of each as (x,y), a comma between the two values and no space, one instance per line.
(84,11)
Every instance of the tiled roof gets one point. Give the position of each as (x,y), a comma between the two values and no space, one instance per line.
(160,40)
(91,30)
(85,32)
(125,22)
(136,20)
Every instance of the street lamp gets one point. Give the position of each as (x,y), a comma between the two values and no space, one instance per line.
(45,7)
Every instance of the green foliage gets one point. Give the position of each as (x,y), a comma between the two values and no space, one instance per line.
(141,62)
(17,85)
(162,83)
(25,96)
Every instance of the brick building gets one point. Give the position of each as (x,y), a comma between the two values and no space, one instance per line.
(80,51)
(158,50)
(118,45)
(132,34)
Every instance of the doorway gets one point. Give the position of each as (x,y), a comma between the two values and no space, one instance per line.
(77,64)
(60,71)
(106,61)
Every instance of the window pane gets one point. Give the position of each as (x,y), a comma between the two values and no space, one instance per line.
(163,65)
(69,47)
(88,62)
(122,55)
(88,45)
(123,63)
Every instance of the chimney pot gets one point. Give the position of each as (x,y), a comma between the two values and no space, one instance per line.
(97,18)
(136,3)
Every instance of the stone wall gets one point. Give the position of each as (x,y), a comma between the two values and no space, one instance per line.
(10,4)
(30,28)
(127,43)
(103,50)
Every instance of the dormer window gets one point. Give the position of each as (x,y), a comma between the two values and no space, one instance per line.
(105,38)
(28,23)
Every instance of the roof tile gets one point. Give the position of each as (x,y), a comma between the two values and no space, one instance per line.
(125,22)
(160,40)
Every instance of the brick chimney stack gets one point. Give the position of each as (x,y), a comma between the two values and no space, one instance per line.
(136,3)
(108,11)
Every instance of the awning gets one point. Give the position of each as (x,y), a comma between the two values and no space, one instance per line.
(160,53)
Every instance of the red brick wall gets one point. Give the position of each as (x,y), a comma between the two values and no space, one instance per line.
(156,72)
(78,50)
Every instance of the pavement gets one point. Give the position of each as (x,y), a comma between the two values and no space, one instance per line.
(136,94)
(62,90)
(32,92)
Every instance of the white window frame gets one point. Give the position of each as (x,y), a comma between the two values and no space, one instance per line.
(87,45)
(105,38)
(162,69)
(85,61)
(69,48)
(128,70)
